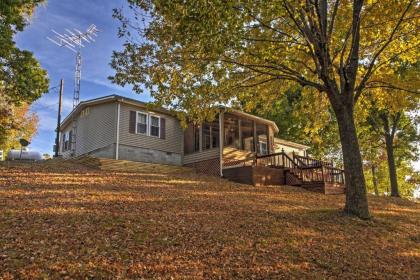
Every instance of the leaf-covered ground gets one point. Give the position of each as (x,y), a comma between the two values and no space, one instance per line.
(64,221)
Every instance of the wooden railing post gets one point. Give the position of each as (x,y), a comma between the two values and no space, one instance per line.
(282,157)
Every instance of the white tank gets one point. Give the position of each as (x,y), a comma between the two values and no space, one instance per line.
(24,155)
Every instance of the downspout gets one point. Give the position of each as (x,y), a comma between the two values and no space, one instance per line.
(221,141)
(117,141)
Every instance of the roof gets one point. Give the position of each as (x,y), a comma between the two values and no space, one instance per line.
(253,117)
(290,144)
(119,98)
(109,99)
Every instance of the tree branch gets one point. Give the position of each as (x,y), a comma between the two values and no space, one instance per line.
(378,53)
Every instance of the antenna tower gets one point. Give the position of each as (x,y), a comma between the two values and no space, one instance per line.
(75,40)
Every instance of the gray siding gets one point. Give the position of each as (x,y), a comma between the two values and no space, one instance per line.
(173,142)
(97,129)
(202,156)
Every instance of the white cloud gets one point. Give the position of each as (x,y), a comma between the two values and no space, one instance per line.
(47,120)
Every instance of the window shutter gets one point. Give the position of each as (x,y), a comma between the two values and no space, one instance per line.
(132,122)
(162,128)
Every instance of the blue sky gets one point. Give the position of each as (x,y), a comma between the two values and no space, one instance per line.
(60,62)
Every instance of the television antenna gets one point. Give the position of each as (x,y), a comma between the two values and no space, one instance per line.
(75,40)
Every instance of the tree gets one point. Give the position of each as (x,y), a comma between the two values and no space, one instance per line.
(307,118)
(22,80)
(391,115)
(194,54)
(21,123)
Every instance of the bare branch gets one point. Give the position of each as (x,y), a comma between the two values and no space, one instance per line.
(332,20)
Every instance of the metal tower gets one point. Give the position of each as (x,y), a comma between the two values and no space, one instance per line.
(74,41)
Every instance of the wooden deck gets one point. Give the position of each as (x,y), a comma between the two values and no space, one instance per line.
(280,169)
(255,175)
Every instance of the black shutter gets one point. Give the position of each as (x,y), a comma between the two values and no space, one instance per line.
(162,128)
(132,122)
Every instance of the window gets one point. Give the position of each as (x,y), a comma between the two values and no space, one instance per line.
(66,141)
(63,148)
(141,123)
(70,139)
(263,148)
(145,123)
(85,112)
(154,126)
(262,137)
(206,136)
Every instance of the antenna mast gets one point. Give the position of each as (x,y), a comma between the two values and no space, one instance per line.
(74,41)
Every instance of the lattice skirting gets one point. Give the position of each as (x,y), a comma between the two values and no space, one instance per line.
(291,180)
(210,167)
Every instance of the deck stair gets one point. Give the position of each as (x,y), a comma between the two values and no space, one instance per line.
(309,173)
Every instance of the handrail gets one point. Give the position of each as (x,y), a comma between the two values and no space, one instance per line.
(334,175)
(298,159)
(277,160)
(269,155)
(305,168)
(312,161)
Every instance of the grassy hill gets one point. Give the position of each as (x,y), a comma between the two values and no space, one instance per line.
(66,220)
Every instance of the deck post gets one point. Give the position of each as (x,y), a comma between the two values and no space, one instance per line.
(200,137)
(221,140)
(240,134)
(254,127)
(282,157)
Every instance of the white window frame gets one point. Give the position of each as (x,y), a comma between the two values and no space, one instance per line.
(266,147)
(150,126)
(147,122)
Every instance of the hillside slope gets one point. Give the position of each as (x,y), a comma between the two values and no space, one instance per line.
(61,219)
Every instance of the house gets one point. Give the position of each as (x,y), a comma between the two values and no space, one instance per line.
(126,129)
(289,147)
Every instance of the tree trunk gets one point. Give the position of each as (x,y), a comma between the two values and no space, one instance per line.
(375,180)
(391,165)
(356,198)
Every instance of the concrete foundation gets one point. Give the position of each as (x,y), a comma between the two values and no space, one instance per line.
(105,152)
(148,155)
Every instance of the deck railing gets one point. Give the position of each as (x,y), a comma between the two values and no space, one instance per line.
(305,168)
(333,175)
(276,160)
(309,161)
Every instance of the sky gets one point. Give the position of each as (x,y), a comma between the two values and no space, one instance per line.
(60,61)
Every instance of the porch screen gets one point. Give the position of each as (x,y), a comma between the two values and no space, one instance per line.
(210,135)
(206,136)
(247,135)
(231,131)
(262,137)
(215,134)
